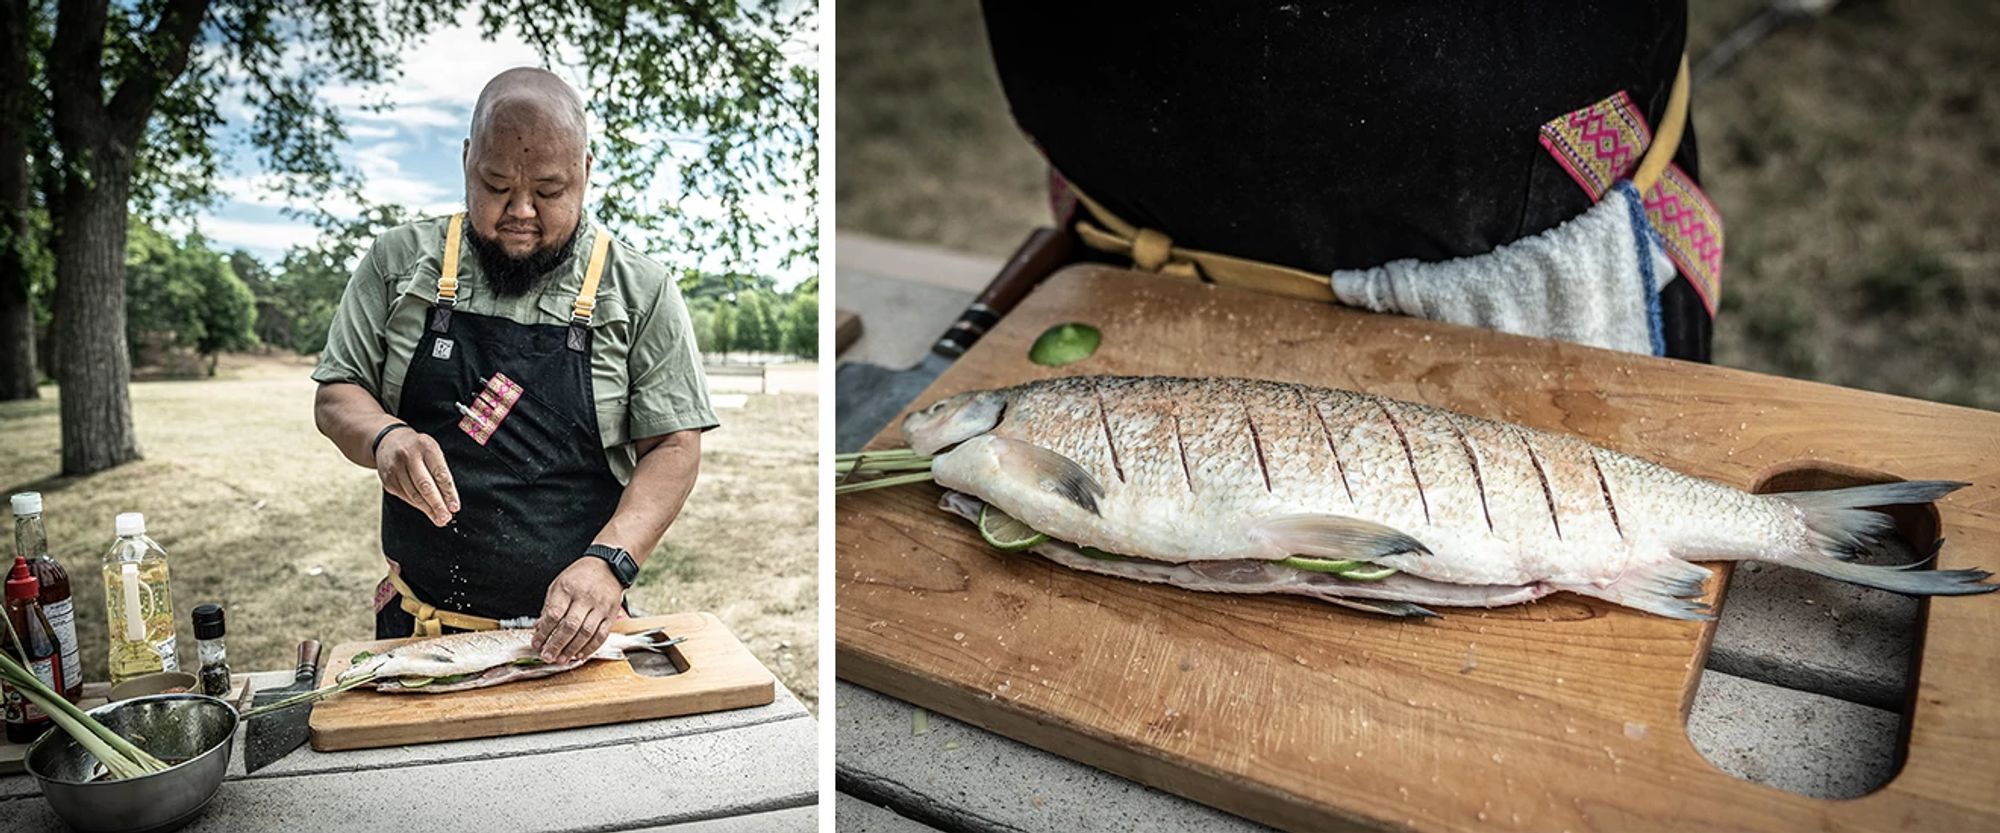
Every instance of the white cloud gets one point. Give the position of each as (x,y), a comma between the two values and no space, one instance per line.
(369,131)
(266,239)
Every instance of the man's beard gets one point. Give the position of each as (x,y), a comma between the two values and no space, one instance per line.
(512,277)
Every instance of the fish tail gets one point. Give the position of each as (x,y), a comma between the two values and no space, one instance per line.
(1841,527)
(655,640)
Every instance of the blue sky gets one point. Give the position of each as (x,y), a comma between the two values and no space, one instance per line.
(409,153)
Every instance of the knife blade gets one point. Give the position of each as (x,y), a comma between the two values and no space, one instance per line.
(869,395)
(273,736)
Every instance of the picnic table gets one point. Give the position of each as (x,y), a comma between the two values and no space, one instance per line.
(724,772)
(1804,687)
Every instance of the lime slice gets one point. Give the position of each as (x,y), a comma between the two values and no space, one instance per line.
(1349,570)
(1064,344)
(1369,572)
(1005,533)
(1321,565)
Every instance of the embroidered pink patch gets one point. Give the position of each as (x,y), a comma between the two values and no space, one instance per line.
(1603,143)
(490,408)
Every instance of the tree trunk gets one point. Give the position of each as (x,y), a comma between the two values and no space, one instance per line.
(17,315)
(92,360)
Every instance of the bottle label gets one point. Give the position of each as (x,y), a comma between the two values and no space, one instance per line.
(45,670)
(19,708)
(62,617)
(168,662)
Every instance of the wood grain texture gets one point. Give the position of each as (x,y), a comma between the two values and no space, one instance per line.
(722,674)
(1565,714)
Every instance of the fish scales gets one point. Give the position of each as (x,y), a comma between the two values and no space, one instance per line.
(1225,470)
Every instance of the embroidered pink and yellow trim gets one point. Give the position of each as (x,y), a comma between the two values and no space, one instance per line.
(490,408)
(1603,143)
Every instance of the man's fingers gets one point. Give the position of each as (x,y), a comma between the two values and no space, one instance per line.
(596,636)
(553,609)
(441,473)
(557,646)
(433,500)
(580,642)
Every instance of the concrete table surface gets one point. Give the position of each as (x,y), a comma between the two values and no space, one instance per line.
(1803,690)
(744,770)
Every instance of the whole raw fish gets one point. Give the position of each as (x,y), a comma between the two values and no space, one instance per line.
(479,659)
(1207,483)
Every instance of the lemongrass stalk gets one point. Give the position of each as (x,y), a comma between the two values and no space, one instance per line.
(882,483)
(55,704)
(308,697)
(119,764)
(884,454)
(883,466)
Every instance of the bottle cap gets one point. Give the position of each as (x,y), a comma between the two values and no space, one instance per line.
(207,621)
(130,523)
(27,503)
(21,584)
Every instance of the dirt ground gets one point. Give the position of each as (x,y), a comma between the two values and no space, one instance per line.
(1851,155)
(261,514)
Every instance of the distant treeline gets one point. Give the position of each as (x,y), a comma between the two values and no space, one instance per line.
(184,296)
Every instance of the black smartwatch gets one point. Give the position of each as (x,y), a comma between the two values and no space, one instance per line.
(621,562)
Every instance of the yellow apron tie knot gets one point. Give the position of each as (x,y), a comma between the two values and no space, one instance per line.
(1150,250)
(430,620)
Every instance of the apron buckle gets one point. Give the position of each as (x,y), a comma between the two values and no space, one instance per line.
(579,335)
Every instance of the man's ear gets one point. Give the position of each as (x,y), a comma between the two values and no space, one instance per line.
(465,156)
(588,159)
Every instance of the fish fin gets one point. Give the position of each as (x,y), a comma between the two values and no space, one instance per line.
(1666,587)
(1384,607)
(1840,527)
(1336,536)
(1051,471)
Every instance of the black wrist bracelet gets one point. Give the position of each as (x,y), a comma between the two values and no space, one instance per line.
(376,446)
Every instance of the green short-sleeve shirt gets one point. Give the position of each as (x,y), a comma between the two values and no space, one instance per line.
(645,370)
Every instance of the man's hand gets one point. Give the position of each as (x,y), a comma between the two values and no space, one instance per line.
(412,467)
(578,611)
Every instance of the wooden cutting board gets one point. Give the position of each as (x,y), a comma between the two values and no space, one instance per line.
(1567,714)
(719,673)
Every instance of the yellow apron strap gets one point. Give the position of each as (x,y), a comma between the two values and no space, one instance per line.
(586,298)
(1668,141)
(430,620)
(1152,251)
(448,271)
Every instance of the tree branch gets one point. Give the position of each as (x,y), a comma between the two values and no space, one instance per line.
(169,45)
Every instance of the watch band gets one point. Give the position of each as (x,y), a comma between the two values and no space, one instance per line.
(623,567)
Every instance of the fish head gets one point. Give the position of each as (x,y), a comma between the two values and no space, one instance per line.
(953,420)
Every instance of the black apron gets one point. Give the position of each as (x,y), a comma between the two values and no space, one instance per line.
(511,406)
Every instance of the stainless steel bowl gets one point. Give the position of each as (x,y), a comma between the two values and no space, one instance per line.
(188,727)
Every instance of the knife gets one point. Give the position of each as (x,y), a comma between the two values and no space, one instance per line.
(274,735)
(869,395)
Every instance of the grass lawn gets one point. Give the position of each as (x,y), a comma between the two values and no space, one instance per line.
(261,514)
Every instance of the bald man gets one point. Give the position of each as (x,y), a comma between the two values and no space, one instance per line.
(526,387)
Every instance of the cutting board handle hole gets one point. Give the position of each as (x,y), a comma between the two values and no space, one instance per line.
(1808,667)
(659,663)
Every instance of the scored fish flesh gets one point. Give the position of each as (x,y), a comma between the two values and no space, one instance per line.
(479,659)
(1221,478)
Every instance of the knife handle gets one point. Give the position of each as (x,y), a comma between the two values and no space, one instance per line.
(308,659)
(1045,250)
